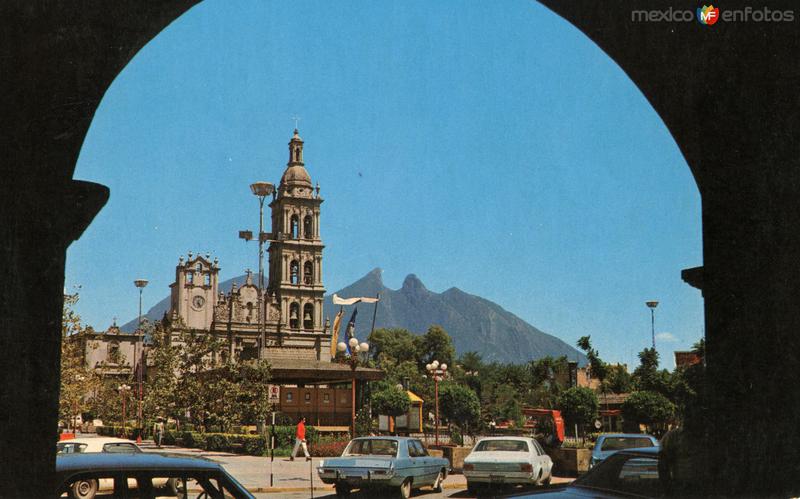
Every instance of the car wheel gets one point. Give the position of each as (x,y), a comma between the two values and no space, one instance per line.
(472,489)
(405,489)
(84,489)
(342,490)
(437,484)
(547,480)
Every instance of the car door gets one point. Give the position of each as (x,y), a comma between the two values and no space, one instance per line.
(424,461)
(541,458)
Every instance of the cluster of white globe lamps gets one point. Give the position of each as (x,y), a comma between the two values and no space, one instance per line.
(355,346)
(434,366)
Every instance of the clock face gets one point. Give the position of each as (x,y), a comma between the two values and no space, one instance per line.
(198,301)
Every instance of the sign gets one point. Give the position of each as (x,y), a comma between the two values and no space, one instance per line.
(274,394)
(598,424)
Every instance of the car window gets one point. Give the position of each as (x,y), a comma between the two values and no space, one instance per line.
(620,443)
(416,449)
(627,474)
(374,447)
(502,446)
(539,450)
(152,485)
(70,448)
(120,448)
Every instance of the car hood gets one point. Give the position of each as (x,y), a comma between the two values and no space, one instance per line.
(498,457)
(357,462)
(570,492)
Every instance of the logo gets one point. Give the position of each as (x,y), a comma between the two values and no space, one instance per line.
(707,15)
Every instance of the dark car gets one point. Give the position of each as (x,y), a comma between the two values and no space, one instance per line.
(136,475)
(626,473)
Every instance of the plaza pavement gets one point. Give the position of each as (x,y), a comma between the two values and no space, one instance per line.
(292,478)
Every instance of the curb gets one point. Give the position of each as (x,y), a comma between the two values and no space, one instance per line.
(327,488)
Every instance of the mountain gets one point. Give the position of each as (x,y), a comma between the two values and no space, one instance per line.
(474,323)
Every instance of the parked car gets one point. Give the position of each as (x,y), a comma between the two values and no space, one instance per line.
(87,489)
(96,444)
(609,443)
(507,461)
(196,476)
(626,473)
(369,462)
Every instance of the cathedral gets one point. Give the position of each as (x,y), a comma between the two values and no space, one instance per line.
(291,333)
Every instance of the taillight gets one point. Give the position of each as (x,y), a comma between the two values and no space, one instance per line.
(469,467)
(526,467)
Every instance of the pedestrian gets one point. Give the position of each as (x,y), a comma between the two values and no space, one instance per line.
(300,440)
(158,431)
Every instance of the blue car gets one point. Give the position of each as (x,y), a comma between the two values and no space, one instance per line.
(398,462)
(609,443)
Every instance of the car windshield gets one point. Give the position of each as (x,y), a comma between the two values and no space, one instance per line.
(502,445)
(628,474)
(372,447)
(621,443)
(70,448)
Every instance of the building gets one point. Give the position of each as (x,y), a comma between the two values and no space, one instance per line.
(293,335)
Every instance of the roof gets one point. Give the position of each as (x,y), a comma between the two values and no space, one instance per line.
(413,397)
(66,463)
(612,398)
(100,440)
(481,439)
(296,175)
(625,435)
(387,437)
(287,370)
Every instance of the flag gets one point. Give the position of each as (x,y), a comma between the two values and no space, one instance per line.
(352,301)
(351,329)
(337,322)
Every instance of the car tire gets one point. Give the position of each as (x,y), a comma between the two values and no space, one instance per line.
(405,489)
(342,490)
(84,489)
(437,484)
(472,488)
(547,480)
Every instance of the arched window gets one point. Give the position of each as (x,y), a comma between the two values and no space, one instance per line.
(294,228)
(207,279)
(294,315)
(307,228)
(189,277)
(308,316)
(294,272)
(249,311)
(297,154)
(199,267)
(113,352)
(308,273)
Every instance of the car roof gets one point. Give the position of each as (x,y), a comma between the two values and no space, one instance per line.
(146,461)
(625,435)
(388,437)
(96,440)
(522,439)
(648,451)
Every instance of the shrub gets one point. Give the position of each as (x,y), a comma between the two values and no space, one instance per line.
(328,449)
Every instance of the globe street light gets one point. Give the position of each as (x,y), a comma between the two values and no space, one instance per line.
(139,359)
(437,372)
(353,359)
(652,306)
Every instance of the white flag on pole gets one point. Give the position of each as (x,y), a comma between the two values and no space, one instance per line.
(353,301)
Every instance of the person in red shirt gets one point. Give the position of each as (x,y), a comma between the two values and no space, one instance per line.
(300,440)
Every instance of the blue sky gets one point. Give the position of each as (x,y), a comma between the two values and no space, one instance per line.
(489,147)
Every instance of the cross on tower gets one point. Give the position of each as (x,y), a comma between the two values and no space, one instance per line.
(296,121)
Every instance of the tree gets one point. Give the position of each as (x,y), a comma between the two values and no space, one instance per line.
(648,408)
(435,344)
(618,379)
(390,401)
(77,380)
(647,377)
(597,367)
(395,344)
(578,405)
(460,406)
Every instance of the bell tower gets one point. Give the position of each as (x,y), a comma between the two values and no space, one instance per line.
(295,251)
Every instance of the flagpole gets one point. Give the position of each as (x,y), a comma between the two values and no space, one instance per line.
(375,313)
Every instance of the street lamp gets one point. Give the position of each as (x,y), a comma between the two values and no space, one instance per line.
(78,378)
(437,372)
(123,390)
(138,359)
(652,306)
(261,190)
(355,349)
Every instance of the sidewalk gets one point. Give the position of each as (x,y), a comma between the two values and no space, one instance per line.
(287,476)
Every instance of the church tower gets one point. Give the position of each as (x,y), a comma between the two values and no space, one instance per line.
(295,252)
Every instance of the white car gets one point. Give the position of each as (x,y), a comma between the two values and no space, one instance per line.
(87,489)
(507,461)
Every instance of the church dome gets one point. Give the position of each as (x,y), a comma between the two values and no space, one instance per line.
(296,175)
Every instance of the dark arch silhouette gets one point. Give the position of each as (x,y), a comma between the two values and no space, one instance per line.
(726,92)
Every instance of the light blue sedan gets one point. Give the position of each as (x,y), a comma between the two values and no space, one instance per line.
(400,462)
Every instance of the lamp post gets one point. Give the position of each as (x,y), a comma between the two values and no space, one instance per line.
(78,378)
(652,306)
(437,372)
(261,190)
(355,349)
(123,390)
(137,362)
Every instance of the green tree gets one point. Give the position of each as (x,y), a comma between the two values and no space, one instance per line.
(647,376)
(618,379)
(390,401)
(460,406)
(161,396)
(395,345)
(435,344)
(579,406)
(78,382)
(597,367)
(647,408)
